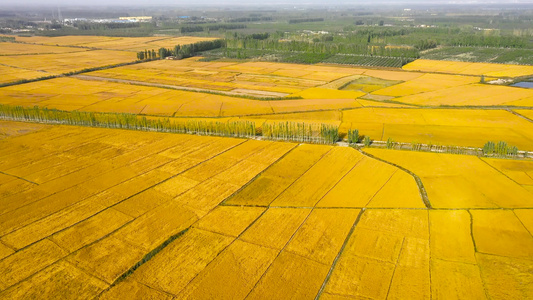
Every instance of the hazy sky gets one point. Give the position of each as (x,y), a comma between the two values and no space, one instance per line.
(182,3)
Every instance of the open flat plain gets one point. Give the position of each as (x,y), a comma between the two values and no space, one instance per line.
(90,212)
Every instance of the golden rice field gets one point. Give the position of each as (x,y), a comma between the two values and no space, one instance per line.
(324,81)
(91,213)
(469,68)
(280,78)
(11,74)
(59,63)
(35,57)
(452,181)
(115,214)
(26,49)
(114,43)
(94,95)
(460,127)
(439,127)
(526,113)
(472,95)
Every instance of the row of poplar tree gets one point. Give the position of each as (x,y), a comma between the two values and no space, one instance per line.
(180,51)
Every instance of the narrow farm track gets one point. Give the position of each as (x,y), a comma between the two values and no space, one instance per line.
(520,115)
(186,208)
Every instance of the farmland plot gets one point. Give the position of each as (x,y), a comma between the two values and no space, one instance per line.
(451,180)
(468,68)
(113,43)
(113,214)
(99,204)
(470,128)
(225,218)
(55,64)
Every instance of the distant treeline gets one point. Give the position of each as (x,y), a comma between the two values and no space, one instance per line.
(294,21)
(249,42)
(105,26)
(180,51)
(216,27)
(487,41)
(249,19)
(427,38)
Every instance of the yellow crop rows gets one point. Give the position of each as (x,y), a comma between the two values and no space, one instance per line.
(471,128)
(98,96)
(11,74)
(467,68)
(114,43)
(450,180)
(473,94)
(246,78)
(25,49)
(55,64)
(387,256)
(122,214)
(242,221)
(426,83)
